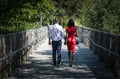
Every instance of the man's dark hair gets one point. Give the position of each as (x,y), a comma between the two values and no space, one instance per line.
(56,20)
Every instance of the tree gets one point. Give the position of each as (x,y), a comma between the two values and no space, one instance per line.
(23,14)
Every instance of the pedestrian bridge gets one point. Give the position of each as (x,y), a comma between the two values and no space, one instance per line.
(27,55)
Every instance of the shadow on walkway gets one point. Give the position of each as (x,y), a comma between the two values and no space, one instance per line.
(39,65)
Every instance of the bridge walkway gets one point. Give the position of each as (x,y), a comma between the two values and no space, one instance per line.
(39,65)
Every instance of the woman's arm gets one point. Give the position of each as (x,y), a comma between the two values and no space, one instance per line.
(76,34)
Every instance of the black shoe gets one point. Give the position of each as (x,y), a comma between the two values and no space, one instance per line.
(54,64)
(70,65)
(58,62)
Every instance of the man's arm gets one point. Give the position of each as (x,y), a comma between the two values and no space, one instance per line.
(49,35)
(49,41)
(65,43)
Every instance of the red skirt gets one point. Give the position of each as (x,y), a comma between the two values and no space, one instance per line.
(71,44)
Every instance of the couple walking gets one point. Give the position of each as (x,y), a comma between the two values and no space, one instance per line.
(56,34)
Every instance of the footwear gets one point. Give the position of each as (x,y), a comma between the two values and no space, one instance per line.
(58,62)
(70,65)
(59,59)
(54,64)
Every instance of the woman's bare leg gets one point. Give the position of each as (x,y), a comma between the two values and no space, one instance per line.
(71,59)
(69,56)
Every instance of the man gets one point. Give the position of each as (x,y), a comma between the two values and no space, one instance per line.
(56,34)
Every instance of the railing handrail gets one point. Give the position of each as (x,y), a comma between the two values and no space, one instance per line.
(102,47)
(98,44)
(105,45)
(17,46)
(14,52)
(99,31)
(11,53)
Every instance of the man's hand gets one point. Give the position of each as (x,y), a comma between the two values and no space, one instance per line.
(65,43)
(65,39)
(49,43)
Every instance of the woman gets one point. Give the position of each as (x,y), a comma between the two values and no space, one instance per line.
(71,32)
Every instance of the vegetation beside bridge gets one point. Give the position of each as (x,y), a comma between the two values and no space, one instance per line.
(22,15)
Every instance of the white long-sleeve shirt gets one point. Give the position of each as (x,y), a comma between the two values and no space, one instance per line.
(56,32)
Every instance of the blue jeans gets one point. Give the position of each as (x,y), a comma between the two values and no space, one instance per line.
(56,49)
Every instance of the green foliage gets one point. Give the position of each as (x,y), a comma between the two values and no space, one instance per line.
(101,15)
(22,15)
(25,14)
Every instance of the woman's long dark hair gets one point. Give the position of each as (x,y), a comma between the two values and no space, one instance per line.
(71,23)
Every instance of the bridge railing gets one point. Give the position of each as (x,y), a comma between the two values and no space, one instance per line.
(105,45)
(15,48)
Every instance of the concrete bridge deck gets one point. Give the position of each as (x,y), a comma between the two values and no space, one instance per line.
(39,65)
